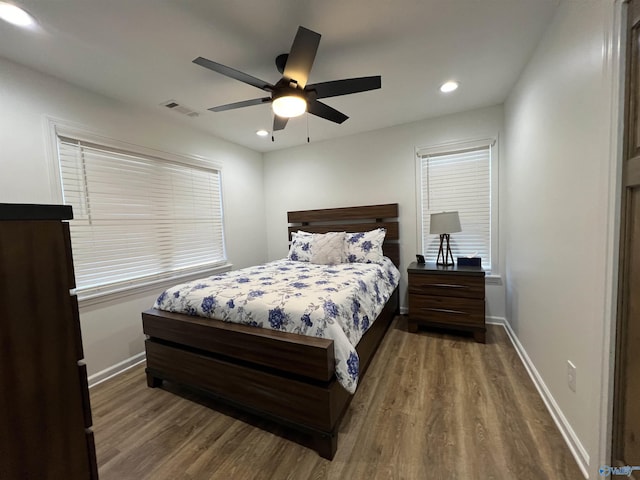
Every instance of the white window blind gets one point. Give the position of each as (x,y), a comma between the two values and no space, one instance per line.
(138,218)
(458,181)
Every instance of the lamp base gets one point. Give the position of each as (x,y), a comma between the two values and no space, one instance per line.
(444,254)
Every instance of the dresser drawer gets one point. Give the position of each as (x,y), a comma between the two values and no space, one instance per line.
(447,310)
(467,286)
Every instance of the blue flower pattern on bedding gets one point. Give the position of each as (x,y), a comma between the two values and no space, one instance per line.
(207,304)
(335,302)
(278,319)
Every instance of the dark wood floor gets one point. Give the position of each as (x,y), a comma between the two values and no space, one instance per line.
(432,406)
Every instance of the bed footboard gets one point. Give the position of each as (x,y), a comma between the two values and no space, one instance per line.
(285,352)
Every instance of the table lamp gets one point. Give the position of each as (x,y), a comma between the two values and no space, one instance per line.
(444,224)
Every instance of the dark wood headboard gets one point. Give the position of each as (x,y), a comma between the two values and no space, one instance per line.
(352,219)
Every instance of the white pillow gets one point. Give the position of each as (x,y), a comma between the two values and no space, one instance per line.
(365,247)
(327,248)
(300,250)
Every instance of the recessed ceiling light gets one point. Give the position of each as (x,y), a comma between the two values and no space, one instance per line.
(15,15)
(262,133)
(448,87)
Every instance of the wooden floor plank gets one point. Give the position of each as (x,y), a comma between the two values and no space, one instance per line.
(432,405)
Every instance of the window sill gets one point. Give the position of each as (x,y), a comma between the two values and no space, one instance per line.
(493,279)
(153,286)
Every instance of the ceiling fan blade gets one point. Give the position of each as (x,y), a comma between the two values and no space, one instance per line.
(322,110)
(346,86)
(233,73)
(303,52)
(246,103)
(279,123)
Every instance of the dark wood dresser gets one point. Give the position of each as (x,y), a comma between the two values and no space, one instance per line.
(448,297)
(44,404)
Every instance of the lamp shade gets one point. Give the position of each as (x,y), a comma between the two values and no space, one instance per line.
(445,222)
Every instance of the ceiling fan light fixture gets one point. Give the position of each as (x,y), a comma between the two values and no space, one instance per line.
(289,106)
(292,96)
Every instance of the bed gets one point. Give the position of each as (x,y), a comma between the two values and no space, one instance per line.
(284,377)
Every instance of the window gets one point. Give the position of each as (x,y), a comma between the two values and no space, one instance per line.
(138,217)
(458,178)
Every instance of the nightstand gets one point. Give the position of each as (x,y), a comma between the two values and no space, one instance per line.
(447,297)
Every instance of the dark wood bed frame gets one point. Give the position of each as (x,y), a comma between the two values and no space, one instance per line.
(284,377)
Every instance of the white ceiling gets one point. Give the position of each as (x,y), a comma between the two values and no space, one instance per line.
(140,52)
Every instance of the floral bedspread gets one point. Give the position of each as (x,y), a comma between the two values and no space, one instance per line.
(330,301)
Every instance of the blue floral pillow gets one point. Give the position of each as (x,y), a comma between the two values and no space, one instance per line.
(300,250)
(365,247)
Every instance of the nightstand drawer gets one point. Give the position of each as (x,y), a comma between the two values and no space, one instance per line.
(467,286)
(447,310)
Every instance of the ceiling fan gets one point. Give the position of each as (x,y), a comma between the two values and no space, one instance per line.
(291,95)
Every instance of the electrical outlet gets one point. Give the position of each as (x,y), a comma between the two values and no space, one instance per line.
(571,375)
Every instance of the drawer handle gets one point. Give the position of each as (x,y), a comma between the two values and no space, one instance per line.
(444,310)
(446,285)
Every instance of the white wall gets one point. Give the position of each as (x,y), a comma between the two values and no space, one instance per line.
(369,168)
(112,331)
(561,167)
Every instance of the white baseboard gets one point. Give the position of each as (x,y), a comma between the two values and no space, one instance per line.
(571,439)
(116,369)
(404,310)
(495,321)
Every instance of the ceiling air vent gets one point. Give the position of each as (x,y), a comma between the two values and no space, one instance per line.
(176,107)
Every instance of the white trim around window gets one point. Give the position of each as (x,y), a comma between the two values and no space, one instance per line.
(442,150)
